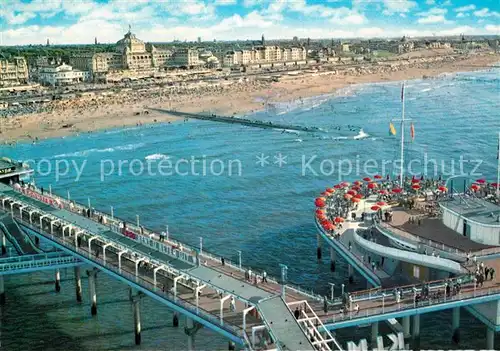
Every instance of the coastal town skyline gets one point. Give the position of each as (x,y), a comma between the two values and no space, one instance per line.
(70,22)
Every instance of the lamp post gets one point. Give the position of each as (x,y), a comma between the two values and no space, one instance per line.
(332,287)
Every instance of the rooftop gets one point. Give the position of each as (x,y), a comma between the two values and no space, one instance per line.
(9,168)
(474,209)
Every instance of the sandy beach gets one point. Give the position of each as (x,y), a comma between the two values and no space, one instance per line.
(227,98)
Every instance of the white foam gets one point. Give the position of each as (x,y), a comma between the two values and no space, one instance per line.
(298,140)
(156,157)
(361,135)
(130,147)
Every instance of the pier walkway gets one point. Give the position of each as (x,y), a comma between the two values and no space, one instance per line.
(156,268)
(242,121)
(21,242)
(201,286)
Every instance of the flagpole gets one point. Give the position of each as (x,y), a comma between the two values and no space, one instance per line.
(402,134)
(498,167)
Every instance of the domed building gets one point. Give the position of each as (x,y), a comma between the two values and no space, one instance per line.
(131,54)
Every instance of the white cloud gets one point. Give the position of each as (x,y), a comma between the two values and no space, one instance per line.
(485,12)
(465,8)
(225,2)
(493,28)
(434,11)
(19,18)
(398,6)
(252,3)
(462,15)
(432,19)
(430,2)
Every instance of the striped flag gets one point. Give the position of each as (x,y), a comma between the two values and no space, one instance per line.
(392,130)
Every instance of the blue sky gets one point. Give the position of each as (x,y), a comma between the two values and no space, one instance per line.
(79,21)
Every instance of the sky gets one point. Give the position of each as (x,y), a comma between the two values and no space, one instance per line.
(25,22)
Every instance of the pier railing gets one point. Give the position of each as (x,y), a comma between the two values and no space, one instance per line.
(136,279)
(388,304)
(114,224)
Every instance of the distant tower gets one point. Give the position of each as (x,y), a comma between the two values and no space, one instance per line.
(48,42)
(95,40)
(308,42)
(263,40)
(333,43)
(463,37)
(199,40)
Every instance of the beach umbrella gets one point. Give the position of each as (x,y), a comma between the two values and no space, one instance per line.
(494,185)
(357,183)
(339,219)
(322,218)
(337,186)
(382,191)
(481,181)
(397,190)
(381,203)
(329,225)
(367,179)
(415,186)
(330,190)
(320,202)
(375,208)
(372,185)
(319,211)
(324,193)
(356,188)
(355,199)
(475,187)
(347,196)
(377,176)
(358,196)
(352,192)
(415,180)
(443,188)
(345,184)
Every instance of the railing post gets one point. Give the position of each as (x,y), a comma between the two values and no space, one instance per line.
(239,258)
(69,197)
(201,245)
(88,200)
(167,233)
(50,190)
(138,224)
(112,214)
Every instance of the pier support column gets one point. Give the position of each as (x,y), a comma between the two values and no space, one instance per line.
(37,240)
(351,277)
(92,292)
(78,284)
(175,320)
(406,326)
(4,245)
(490,339)
(58,280)
(455,325)
(2,291)
(374,334)
(190,340)
(415,334)
(332,259)
(318,244)
(137,321)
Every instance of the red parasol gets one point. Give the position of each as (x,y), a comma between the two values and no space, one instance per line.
(328,225)
(375,208)
(381,203)
(356,188)
(397,190)
(443,188)
(377,176)
(372,186)
(352,192)
(319,211)
(357,183)
(339,219)
(358,196)
(367,179)
(481,181)
(347,196)
(355,199)
(330,190)
(320,202)
(475,187)
(415,186)
(415,180)
(382,191)
(337,186)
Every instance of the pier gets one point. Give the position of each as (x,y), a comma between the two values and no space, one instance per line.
(209,292)
(242,121)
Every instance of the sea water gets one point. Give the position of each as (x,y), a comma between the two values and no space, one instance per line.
(264,207)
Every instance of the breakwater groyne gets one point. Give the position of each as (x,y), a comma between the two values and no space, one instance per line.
(242,121)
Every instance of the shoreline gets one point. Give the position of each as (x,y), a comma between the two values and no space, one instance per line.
(240,98)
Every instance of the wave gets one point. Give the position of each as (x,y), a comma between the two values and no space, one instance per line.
(121,130)
(298,140)
(156,157)
(85,153)
(424,90)
(361,135)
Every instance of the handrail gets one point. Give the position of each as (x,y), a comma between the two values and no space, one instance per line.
(83,251)
(351,254)
(432,243)
(114,221)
